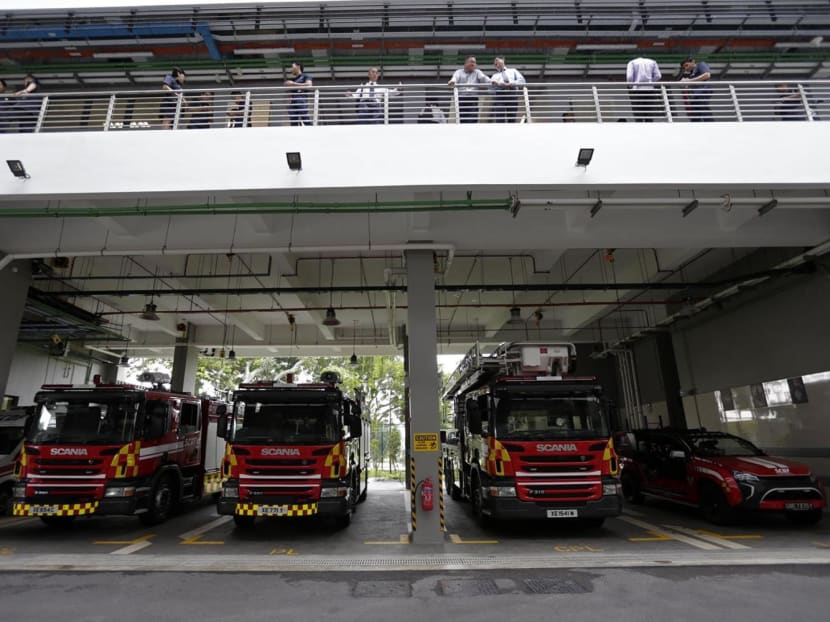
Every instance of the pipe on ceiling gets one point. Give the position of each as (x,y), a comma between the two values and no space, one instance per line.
(449,249)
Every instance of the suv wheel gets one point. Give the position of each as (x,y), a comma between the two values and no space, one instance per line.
(715,507)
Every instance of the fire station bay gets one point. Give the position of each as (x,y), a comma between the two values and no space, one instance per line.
(522,290)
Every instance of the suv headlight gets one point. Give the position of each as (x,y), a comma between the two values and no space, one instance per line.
(743,476)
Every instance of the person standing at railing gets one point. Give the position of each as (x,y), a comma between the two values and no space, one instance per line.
(298,99)
(235,112)
(641,75)
(370,98)
(201,111)
(507,83)
(27,106)
(699,92)
(467,80)
(172,85)
(789,106)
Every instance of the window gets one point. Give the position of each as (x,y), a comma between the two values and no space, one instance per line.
(190,418)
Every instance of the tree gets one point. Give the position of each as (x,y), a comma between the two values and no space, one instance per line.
(394,448)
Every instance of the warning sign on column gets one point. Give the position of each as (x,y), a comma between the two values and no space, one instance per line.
(426,441)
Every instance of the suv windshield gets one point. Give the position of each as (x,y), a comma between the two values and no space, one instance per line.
(710,446)
(550,418)
(285,423)
(84,422)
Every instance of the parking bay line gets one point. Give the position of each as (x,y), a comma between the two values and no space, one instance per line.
(137,544)
(708,537)
(697,543)
(456,539)
(194,535)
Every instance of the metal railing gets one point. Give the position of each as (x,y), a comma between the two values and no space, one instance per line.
(668,102)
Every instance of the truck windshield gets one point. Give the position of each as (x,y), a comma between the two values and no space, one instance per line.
(285,423)
(710,446)
(84,422)
(550,418)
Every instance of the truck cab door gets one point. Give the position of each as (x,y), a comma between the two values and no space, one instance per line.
(190,432)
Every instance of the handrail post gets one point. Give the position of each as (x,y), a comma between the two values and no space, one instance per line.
(595,93)
(386,107)
(110,109)
(527,104)
(734,95)
(805,102)
(42,114)
(666,103)
(177,116)
(316,116)
(457,109)
(246,111)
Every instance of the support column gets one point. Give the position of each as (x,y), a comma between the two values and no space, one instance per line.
(671,380)
(185,362)
(423,389)
(14,285)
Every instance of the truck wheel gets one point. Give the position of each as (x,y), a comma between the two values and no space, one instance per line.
(631,489)
(243,522)
(58,522)
(344,521)
(714,506)
(478,504)
(810,517)
(162,500)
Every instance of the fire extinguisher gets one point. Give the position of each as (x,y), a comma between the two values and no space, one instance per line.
(426,495)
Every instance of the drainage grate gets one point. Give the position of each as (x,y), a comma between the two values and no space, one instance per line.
(467,587)
(555,585)
(382,589)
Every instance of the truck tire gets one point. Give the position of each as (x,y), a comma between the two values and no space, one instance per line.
(57,522)
(631,489)
(477,499)
(810,517)
(162,500)
(715,507)
(243,522)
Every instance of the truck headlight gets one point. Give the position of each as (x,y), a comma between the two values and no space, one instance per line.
(612,489)
(230,491)
(120,491)
(743,476)
(501,491)
(19,491)
(341,491)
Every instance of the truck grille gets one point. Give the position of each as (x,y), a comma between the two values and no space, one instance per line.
(571,478)
(48,466)
(281,467)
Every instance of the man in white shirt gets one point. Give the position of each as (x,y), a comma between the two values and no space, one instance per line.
(467,80)
(507,83)
(646,100)
(370,98)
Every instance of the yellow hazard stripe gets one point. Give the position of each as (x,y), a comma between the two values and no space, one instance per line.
(50,509)
(254,509)
(213,482)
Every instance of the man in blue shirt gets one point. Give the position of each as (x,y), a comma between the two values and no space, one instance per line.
(298,100)
(699,92)
(172,83)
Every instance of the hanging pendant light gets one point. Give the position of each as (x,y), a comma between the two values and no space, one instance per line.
(149,312)
(331,318)
(515,316)
(353,357)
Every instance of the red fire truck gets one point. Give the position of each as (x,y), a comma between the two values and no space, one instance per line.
(294,450)
(117,449)
(533,441)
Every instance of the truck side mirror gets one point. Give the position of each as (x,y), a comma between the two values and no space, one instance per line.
(355,426)
(473,417)
(224,420)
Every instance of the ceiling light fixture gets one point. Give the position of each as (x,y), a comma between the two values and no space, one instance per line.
(331,316)
(149,312)
(353,357)
(295,161)
(767,207)
(692,206)
(584,156)
(17,169)
(515,316)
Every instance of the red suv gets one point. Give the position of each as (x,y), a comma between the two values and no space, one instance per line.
(720,473)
